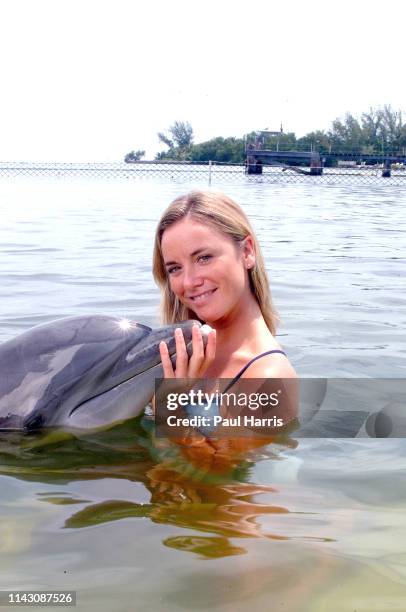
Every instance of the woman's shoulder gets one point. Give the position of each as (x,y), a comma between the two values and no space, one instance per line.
(272,368)
(270,364)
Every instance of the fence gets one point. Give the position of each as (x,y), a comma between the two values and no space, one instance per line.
(210,173)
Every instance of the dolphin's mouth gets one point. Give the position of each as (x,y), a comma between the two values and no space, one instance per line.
(123,382)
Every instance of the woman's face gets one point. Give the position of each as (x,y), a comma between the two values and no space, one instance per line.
(207,270)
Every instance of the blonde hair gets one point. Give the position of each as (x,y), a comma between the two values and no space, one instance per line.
(222,213)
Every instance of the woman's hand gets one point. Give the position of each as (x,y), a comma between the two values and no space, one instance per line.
(198,363)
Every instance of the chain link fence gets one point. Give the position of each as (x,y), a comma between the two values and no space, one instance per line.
(211,173)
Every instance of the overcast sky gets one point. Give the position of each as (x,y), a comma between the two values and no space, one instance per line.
(85,80)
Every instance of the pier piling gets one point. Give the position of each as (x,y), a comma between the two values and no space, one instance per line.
(386,172)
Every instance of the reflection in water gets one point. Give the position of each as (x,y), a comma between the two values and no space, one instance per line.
(207,547)
(199,484)
(220,504)
(195,484)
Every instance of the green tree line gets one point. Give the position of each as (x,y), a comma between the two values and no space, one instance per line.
(376,132)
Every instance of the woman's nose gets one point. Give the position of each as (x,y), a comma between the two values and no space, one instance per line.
(191,279)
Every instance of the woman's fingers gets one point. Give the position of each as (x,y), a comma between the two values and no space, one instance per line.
(202,357)
(182,358)
(166,360)
(199,361)
(197,357)
(210,348)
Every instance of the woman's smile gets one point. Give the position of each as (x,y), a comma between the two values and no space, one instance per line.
(199,298)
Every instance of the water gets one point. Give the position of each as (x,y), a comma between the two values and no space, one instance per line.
(298,525)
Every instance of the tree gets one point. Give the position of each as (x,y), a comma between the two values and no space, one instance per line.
(317,141)
(163,138)
(134,156)
(231,150)
(182,135)
(391,129)
(282,141)
(371,125)
(346,135)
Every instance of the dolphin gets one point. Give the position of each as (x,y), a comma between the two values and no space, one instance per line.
(82,372)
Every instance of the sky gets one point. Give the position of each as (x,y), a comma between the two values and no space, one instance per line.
(91,80)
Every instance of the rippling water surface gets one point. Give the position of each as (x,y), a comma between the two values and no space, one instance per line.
(298,525)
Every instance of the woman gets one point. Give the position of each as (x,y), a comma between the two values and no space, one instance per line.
(209,266)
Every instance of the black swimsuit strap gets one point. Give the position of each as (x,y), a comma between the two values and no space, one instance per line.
(247,365)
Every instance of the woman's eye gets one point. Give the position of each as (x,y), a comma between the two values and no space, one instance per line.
(204,258)
(173,269)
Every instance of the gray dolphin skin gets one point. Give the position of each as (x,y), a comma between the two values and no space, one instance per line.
(83,372)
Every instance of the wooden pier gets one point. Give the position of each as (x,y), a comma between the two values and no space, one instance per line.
(257,157)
